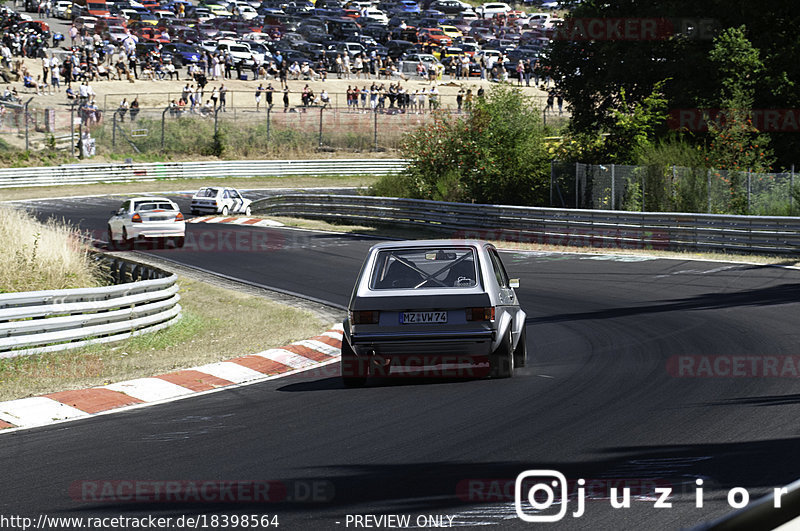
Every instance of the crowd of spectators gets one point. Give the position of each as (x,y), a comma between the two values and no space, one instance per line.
(93,57)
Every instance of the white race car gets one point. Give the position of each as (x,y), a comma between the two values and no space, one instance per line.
(146,218)
(219,200)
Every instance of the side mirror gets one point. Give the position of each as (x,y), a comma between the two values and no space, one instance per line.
(514,282)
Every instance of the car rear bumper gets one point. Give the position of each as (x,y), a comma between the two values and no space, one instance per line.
(475,343)
(206,208)
(174,230)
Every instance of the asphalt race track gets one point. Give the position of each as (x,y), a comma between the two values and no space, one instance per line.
(628,384)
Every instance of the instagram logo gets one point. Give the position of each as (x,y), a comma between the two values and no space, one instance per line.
(535,491)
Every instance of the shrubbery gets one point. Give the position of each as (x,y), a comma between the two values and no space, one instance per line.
(494,154)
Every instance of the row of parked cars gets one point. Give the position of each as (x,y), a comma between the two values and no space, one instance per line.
(255,31)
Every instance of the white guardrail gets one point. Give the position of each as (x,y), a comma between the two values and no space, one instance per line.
(570,227)
(145,300)
(109,173)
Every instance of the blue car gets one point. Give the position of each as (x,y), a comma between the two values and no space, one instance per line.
(408,6)
(182,54)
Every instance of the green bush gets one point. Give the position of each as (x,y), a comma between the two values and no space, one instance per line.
(495,154)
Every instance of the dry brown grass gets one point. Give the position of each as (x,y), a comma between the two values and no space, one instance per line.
(40,256)
(217,324)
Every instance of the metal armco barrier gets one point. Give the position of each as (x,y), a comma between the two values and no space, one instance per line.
(102,173)
(572,227)
(144,299)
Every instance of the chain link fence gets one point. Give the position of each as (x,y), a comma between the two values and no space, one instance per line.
(253,132)
(672,189)
(28,127)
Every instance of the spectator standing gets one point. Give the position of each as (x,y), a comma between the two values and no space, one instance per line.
(134,110)
(259,95)
(54,78)
(223,92)
(123,109)
(269,91)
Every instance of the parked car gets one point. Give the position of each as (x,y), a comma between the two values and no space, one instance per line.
(437,297)
(220,200)
(182,54)
(63,9)
(490,9)
(140,218)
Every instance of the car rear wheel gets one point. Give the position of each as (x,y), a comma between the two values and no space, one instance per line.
(126,242)
(112,244)
(225,210)
(247,211)
(501,361)
(354,369)
(521,352)
(178,242)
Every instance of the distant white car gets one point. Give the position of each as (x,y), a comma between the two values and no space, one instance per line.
(62,9)
(219,200)
(493,8)
(142,218)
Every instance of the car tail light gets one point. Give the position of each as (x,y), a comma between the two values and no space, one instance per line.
(364,317)
(480,314)
(179,217)
(136,218)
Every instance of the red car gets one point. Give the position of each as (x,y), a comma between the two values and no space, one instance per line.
(434,36)
(151,34)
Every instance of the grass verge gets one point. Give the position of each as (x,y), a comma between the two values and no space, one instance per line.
(39,256)
(217,324)
(14,194)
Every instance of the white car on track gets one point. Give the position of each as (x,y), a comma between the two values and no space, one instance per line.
(220,200)
(141,218)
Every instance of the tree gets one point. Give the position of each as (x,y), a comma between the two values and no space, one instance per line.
(593,74)
(496,154)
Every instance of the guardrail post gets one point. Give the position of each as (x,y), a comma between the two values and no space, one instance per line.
(163,117)
(644,195)
(375,127)
(577,184)
(749,186)
(321,110)
(269,111)
(72,130)
(613,186)
(26,116)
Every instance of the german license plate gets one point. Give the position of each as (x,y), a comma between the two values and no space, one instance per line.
(423,317)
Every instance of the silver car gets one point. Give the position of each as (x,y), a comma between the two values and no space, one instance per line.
(429,299)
